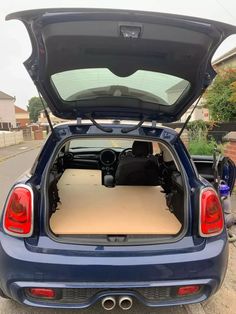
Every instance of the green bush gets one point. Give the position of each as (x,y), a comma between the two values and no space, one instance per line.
(221,96)
(198,129)
(199,144)
(202,146)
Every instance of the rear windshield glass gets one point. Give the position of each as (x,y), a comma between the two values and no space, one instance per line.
(102,143)
(148,86)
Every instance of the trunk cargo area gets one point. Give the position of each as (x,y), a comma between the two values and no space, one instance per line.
(88,207)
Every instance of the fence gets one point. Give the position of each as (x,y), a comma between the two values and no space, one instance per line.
(218,131)
(230,146)
(10,138)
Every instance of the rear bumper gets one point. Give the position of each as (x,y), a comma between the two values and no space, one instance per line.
(114,274)
(131,289)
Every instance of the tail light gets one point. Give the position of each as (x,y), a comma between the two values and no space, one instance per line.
(211,213)
(187,290)
(43,293)
(18,215)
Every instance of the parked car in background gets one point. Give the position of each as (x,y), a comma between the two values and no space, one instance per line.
(112,212)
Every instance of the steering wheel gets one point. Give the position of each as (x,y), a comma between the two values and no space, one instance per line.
(125,153)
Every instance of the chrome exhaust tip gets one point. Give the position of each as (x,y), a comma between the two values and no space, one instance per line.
(125,303)
(108,303)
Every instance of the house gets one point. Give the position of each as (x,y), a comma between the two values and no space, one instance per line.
(22,117)
(43,120)
(7,111)
(227,60)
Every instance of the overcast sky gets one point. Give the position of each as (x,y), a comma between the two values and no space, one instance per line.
(15,46)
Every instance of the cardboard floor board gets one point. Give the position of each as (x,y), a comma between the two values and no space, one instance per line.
(87,207)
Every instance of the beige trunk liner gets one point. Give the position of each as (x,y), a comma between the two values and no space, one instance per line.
(87,207)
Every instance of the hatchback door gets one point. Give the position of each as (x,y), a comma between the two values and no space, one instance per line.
(120,64)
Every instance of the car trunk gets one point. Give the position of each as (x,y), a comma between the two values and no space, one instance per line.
(88,207)
(83,209)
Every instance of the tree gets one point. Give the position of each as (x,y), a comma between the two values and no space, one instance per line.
(34,107)
(221,96)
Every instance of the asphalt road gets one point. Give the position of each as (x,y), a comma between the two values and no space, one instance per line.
(10,307)
(10,170)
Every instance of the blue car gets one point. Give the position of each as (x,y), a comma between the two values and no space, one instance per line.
(114,209)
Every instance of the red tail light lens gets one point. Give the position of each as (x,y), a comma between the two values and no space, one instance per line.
(44,293)
(211,214)
(187,290)
(18,216)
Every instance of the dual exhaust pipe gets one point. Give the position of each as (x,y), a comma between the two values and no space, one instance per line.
(109,303)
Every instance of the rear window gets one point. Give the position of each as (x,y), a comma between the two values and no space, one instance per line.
(100,143)
(91,83)
(113,143)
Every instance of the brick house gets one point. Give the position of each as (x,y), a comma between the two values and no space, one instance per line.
(230,146)
(22,117)
(7,111)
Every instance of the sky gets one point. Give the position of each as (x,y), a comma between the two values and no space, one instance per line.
(15,45)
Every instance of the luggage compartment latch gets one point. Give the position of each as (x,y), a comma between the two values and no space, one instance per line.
(117,238)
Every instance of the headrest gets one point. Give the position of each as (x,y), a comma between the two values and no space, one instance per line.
(141,149)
